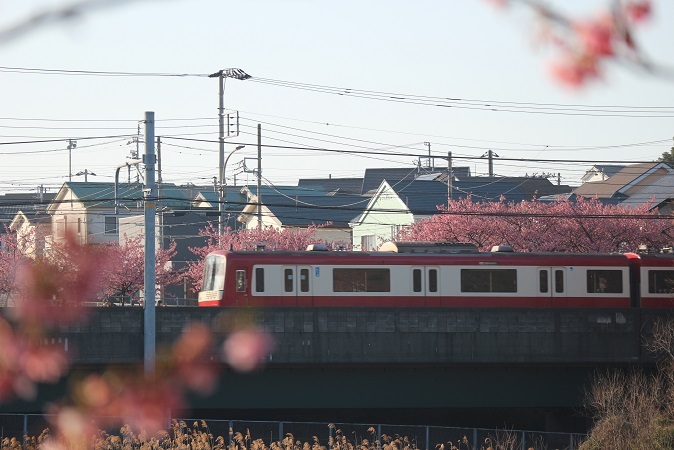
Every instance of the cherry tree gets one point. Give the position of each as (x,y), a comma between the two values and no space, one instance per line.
(125,275)
(586,225)
(585,44)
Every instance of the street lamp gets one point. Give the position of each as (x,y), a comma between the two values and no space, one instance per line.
(221,75)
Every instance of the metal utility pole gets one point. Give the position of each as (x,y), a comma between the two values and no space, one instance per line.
(450,177)
(491,156)
(71,145)
(259,176)
(150,195)
(221,75)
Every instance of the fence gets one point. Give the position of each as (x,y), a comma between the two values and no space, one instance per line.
(368,435)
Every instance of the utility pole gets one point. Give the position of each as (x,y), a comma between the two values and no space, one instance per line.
(259,177)
(71,145)
(158,159)
(150,195)
(450,177)
(491,156)
(431,162)
(221,75)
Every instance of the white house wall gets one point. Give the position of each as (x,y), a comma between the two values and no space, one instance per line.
(383,218)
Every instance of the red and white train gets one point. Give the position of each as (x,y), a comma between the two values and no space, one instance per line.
(436,275)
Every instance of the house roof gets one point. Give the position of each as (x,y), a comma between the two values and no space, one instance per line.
(102,195)
(612,186)
(607,169)
(29,203)
(658,192)
(303,206)
(348,185)
(424,196)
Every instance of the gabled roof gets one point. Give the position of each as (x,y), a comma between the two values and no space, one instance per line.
(423,197)
(102,195)
(373,177)
(295,206)
(656,193)
(530,187)
(11,204)
(621,181)
(34,217)
(608,170)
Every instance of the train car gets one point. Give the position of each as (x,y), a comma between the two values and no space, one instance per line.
(420,279)
(657,280)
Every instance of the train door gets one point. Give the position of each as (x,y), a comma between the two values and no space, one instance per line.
(552,283)
(297,290)
(426,284)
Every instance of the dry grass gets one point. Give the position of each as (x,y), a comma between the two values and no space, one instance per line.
(198,436)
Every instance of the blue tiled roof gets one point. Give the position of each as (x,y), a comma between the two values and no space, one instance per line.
(423,197)
(295,206)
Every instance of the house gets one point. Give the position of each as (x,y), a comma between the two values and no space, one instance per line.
(91,211)
(26,214)
(234,202)
(626,182)
(395,206)
(659,195)
(601,172)
(295,207)
(31,228)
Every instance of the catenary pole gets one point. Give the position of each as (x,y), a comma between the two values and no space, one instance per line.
(150,194)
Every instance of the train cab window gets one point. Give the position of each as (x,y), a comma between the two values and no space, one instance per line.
(214,274)
(416,280)
(661,281)
(488,280)
(288,280)
(605,281)
(432,280)
(543,281)
(259,279)
(304,280)
(559,281)
(240,281)
(361,280)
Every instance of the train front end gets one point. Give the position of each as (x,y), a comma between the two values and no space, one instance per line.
(213,286)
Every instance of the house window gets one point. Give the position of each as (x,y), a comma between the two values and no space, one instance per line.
(79,225)
(110,225)
(367,242)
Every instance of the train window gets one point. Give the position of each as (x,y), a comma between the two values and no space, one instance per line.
(361,280)
(559,281)
(608,281)
(543,281)
(214,274)
(304,280)
(259,279)
(288,280)
(416,280)
(240,281)
(488,280)
(661,281)
(432,280)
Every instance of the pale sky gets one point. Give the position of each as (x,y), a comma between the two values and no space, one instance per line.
(452,49)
